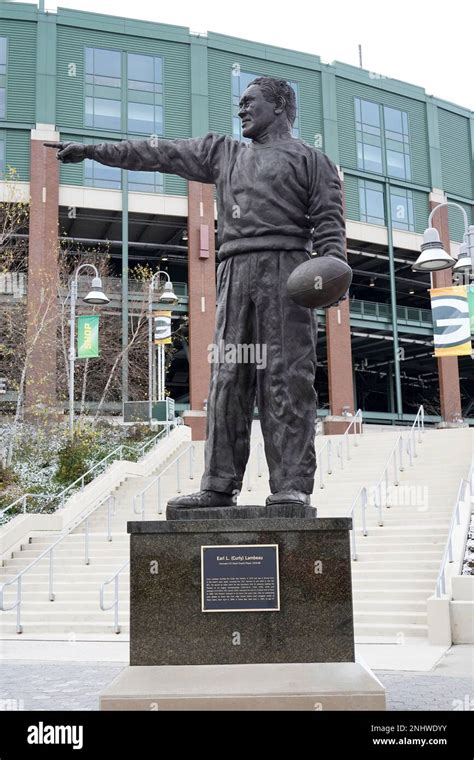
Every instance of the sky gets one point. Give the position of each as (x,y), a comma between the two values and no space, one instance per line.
(424,43)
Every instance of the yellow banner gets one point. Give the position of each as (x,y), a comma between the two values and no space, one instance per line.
(451,324)
(162,324)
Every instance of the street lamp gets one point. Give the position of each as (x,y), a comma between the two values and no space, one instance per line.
(433,257)
(168,298)
(95,296)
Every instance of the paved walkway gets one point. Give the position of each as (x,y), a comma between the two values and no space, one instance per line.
(33,685)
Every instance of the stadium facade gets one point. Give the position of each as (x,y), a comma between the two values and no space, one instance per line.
(88,77)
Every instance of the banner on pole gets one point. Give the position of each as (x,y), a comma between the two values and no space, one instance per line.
(87,337)
(162,332)
(451,322)
(470,301)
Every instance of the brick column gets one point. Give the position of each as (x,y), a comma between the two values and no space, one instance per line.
(340,368)
(340,374)
(42,301)
(448,367)
(202,301)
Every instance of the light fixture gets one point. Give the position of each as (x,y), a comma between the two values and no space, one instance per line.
(372,282)
(411,292)
(168,296)
(164,258)
(96,295)
(433,257)
(184,236)
(464,262)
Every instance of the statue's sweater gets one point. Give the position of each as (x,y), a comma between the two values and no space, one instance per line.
(284,195)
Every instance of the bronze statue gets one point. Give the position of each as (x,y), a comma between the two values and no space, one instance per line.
(277,199)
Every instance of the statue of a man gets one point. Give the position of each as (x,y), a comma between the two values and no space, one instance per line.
(277,199)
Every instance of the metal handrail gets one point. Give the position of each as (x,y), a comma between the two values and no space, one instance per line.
(81,479)
(141,495)
(49,551)
(363,496)
(319,461)
(357,419)
(259,449)
(464,485)
(115,604)
(395,459)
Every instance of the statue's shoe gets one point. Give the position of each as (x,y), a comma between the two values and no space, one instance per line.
(289,497)
(203,499)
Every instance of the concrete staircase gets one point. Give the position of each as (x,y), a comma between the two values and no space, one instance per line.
(393,576)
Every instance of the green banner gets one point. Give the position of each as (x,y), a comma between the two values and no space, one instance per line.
(470,301)
(87,337)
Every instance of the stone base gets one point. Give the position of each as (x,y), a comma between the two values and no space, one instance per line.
(308,686)
(246,511)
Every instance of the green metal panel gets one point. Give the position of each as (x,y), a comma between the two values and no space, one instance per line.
(17,152)
(329,99)
(351,188)
(456,221)
(46,69)
(347,90)
(199,87)
(421,209)
(455,153)
(434,144)
(21,69)
(177,83)
(220,92)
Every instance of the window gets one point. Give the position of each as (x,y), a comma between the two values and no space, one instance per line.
(103,89)
(240,82)
(3,77)
(145,94)
(402,209)
(99,175)
(145,182)
(397,143)
(371,203)
(382,139)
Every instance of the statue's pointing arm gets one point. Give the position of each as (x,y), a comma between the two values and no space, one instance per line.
(326,211)
(193,158)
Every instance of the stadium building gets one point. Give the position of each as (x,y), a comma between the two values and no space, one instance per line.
(91,78)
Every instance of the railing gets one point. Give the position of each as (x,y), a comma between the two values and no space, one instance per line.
(115,455)
(115,604)
(157,480)
(248,476)
(376,310)
(49,552)
(326,449)
(363,498)
(466,486)
(356,420)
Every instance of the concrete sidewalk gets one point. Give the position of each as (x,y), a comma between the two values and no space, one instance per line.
(67,675)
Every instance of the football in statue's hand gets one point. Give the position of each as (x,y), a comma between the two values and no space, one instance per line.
(319,282)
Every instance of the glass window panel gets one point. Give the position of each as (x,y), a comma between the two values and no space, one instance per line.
(2,102)
(396,164)
(98,175)
(2,155)
(360,157)
(141,117)
(103,113)
(89,54)
(141,68)
(3,51)
(107,63)
(371,130)
(407,167)
(374,204)
(370,113)
(372,158)
(357,109)
(362,201)
(158,120)
(393,119)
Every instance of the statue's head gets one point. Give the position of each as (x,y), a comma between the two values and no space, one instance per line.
(265,101)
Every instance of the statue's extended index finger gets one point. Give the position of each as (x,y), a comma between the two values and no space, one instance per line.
(57,145)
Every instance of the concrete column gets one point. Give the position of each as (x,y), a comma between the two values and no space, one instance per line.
(448,367)
(42,302)
(202,301)
(340,367)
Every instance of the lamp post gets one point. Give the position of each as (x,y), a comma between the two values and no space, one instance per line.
(169,298)
(95,296)
(433,257)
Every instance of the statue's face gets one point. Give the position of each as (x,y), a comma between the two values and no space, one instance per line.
(255,112)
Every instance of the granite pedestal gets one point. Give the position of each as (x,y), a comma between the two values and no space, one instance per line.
(292,658)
